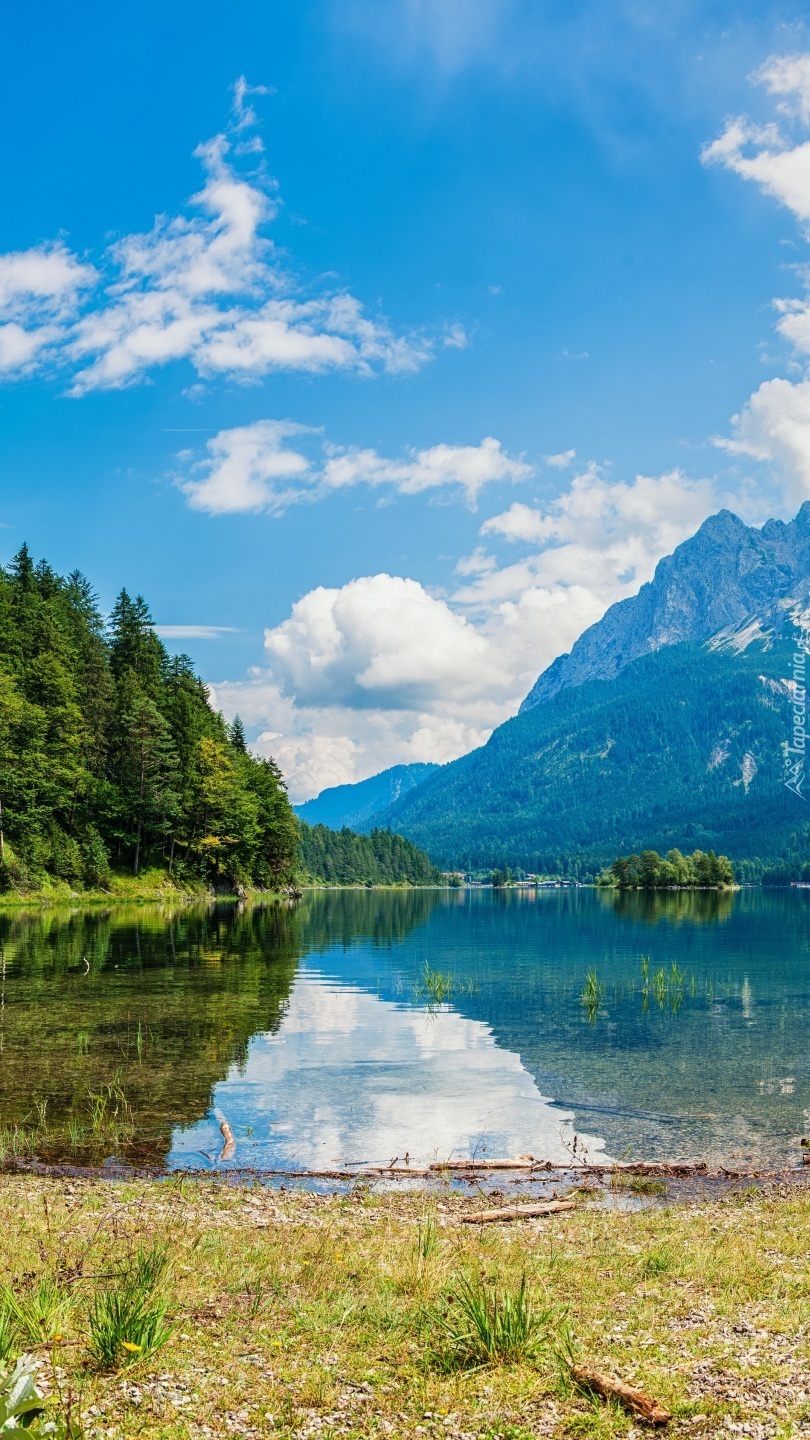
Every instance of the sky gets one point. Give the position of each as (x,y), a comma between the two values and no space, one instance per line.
(382,344)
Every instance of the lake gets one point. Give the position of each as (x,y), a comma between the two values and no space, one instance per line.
(360,1026)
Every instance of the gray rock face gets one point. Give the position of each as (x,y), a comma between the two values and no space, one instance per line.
(716,581)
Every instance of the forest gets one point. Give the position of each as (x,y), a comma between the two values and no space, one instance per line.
(684,749)
(112,759)
(112,756)
(651,871)
(340,857)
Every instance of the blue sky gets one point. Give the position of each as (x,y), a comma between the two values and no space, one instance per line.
(436,348)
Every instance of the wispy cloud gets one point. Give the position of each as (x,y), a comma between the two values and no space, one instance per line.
(205,286)
(194,632)
(254,468)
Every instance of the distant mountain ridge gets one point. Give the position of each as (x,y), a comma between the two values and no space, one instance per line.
(358,806)
(722,577)
(668,724)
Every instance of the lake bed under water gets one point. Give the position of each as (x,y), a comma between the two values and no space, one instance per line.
(357,1027)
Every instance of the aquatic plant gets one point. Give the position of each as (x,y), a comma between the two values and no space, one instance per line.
(593,994)
(435,987)
(638,1184)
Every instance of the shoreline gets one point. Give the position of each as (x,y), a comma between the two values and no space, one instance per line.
(298,1315)
(99,899)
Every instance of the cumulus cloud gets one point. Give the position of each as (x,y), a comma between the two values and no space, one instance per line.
(774,424)
(381,671)
(253,468)
(611,532)
(205,286)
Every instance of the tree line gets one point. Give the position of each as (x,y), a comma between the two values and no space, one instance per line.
(341,857)
(111,754)
(651,871)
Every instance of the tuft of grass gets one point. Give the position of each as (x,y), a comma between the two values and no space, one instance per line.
(127,1322)
(34,1315)
(658,1261)
(427,1240)
(638,1184)
(488,1326)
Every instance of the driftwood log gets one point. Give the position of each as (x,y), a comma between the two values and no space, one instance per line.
(627,1395)
(228,1138)
(517,1212)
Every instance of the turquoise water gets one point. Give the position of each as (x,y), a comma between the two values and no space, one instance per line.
(360,1026)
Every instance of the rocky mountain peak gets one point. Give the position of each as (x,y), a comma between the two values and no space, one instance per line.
(724,574)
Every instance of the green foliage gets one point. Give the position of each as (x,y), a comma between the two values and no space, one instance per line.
(684,748)
(22,1405)
(487,1326)
(111,755)
(651,871)
(127,1321)
(340,857)
(34,1315)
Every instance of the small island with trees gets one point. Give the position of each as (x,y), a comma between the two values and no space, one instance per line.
(702,870)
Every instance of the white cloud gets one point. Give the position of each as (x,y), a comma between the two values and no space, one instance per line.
(774,426)
(380,642)
(606,535)
(252,468)
(39,293)
(380,671)
(205,286)
(562,460)
(194,632)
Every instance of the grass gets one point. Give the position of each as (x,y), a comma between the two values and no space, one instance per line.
(491,1325)
(286,1314)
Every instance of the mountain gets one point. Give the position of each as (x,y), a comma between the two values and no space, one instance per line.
(357,806)
(683,748)
(723,576)
(667,725)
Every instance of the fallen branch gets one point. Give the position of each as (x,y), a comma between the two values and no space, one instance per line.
(517,1212)
(229,1139)
(627,1395)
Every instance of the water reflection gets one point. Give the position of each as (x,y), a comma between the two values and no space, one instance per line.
(309,1025)
(677,907)
(349,1078)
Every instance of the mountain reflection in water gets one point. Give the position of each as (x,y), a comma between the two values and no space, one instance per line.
(310,1026)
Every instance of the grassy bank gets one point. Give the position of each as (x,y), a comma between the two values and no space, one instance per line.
(151,887)
(299,1315)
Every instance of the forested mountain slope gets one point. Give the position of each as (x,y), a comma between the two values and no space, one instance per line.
(341,857)
(110,753)
(358,805)
(683,749)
